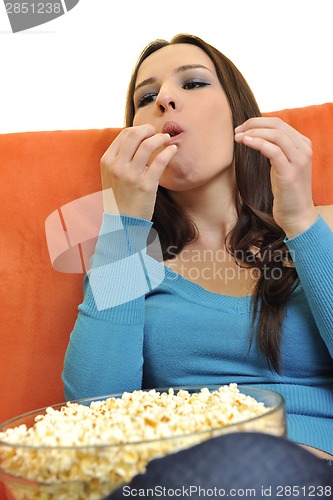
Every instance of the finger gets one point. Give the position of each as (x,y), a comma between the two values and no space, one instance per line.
(273,152)
(261,122)
(272,123)
(257,138)
(148,149)
(127,142)
(159,164)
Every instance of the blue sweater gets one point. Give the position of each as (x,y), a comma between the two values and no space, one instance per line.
(142,325)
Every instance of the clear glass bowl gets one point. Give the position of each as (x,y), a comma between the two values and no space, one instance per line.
(107,457)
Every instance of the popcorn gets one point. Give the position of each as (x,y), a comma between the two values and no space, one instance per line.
(85,452)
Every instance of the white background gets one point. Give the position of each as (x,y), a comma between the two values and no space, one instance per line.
(72,73)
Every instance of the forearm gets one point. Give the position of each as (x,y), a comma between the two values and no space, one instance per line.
(312,252)
(104,354)
(103,357)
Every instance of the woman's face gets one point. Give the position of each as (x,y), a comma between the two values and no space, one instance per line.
(178,92)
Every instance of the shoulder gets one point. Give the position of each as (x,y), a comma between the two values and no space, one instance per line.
(326,211)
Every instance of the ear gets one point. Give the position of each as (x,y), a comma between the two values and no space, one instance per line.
(326,211)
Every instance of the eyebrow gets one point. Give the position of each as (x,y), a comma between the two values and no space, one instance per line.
(180,69)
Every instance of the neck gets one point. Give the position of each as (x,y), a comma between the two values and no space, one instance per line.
(212,209)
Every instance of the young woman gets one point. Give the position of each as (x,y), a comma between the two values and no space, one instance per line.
(245,290)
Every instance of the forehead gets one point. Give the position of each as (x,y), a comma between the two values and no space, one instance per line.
(171,57)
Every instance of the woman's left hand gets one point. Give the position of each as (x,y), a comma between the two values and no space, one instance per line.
(290,154)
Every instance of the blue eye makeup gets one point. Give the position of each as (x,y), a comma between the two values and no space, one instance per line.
(190,84)
(194,83)
(146,99)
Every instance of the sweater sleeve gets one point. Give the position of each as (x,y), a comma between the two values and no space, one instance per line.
(105,351)
(312,252)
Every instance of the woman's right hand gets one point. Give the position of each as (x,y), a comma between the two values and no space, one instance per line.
(131,169)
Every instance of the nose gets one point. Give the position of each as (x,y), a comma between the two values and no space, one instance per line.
(166,100)
(165,106)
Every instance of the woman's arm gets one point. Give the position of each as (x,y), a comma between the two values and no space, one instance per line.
(309,238)
(312,253)
(104,354)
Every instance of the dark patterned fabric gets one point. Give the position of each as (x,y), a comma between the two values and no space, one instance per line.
(235,465)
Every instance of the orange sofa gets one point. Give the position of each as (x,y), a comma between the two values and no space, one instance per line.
(40,172)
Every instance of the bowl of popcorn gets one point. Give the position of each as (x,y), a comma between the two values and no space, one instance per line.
(86,449)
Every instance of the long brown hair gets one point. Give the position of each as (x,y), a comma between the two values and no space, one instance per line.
(256,240)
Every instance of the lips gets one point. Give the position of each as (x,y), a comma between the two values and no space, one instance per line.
(172,129)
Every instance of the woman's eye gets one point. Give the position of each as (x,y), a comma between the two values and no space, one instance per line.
(194,84)
(146,99)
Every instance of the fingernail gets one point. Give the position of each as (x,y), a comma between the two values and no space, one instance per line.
(239,135)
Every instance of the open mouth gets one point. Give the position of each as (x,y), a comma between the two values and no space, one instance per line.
(172,129)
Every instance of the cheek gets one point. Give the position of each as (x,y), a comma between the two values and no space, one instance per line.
(216,121)
(140,118)
(217,141)
(224,137)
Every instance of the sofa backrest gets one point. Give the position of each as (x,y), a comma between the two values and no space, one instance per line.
(40,172)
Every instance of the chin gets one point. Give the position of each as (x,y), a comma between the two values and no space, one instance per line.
(178,184)
(178,171)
